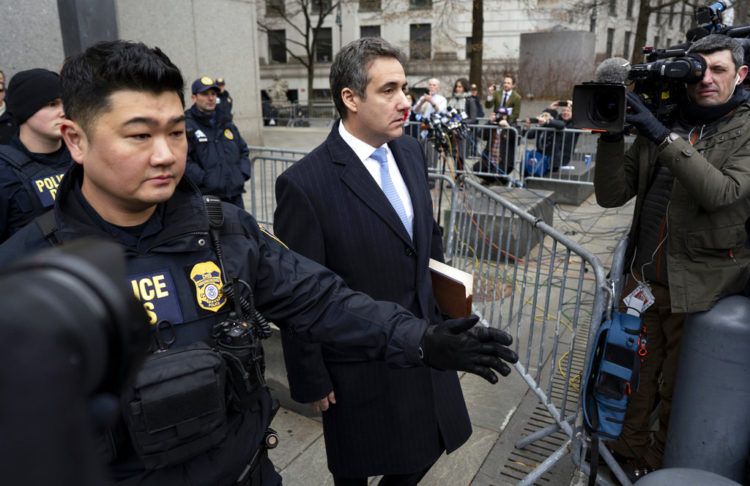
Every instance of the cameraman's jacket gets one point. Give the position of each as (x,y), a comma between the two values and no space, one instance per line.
(709,204)
(168,266)
(217,155)
(28,184)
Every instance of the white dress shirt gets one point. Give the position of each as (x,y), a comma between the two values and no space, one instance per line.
(363,151)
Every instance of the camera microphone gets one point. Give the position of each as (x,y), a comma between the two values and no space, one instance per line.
(613,70)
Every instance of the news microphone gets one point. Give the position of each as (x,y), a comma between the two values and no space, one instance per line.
(613,71)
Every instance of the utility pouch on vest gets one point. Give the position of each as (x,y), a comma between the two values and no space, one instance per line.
(176,407)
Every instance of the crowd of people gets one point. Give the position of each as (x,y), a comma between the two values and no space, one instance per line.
(107,150)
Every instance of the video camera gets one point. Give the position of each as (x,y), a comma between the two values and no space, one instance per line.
(660,82)
(443,128)
(71,334)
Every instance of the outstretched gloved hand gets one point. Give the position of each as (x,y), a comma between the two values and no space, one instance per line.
(643,120)
(457,345)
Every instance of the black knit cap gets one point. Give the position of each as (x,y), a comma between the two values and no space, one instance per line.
(29,91)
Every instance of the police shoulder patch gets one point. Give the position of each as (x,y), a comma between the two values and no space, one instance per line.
(228,133)
(206,277)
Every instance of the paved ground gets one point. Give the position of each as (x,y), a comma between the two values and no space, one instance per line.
(499,414)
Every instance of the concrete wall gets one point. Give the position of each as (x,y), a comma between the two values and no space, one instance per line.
(30,36)
(204,38)
(551,63)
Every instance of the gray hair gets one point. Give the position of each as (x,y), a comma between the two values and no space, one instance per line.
(718,42)
(349,68)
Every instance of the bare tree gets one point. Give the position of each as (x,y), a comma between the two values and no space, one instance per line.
(306,17)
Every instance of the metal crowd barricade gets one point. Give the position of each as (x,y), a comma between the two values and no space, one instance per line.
(264,170)
(543,288)
(566,156)
(487,151)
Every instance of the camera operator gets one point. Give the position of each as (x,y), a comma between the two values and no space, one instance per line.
(499,157)
(198,410)
(691,181)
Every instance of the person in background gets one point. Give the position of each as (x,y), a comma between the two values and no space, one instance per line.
(462,100)
(224,100)
(33,163)
(8,127)
(506,98)
(432,101)
(218,160)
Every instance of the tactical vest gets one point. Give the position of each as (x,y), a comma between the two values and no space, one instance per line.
(181,401)
(40,180)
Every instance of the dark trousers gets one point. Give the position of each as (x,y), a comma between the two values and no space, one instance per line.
(664,335)
(411,479)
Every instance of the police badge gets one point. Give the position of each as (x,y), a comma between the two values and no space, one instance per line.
(208,286)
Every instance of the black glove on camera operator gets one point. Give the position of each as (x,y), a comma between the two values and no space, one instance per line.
(458,345)
(640,117)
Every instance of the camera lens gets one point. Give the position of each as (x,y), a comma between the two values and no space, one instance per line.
(605,107)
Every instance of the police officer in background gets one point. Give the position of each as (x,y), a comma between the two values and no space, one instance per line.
(218,160)
(8,127)
(198,409)
(224,101)
(33,164)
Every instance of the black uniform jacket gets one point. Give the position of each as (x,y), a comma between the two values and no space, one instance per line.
(385,421)
(167,265)
(218,160)
(29,190)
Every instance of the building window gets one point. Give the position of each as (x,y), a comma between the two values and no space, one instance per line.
(656,42)
(324,45)
(630,9)
(658,12)
(275,8)
(419,4)
(370,6)
(610,41)
(592,21)
(369,31)
(626,47)
(613,8)
(277,46)
(669,42)
(468,48)
(321,6)
(420,41)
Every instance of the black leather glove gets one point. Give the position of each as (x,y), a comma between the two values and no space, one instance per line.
(457,345)
(644,121)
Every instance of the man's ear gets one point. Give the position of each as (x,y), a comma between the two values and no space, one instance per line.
(75,139)
(742,73)
(351,100)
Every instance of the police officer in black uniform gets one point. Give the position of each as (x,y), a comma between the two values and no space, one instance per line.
(33,164)
(218,160)
(198,410)
(224,100)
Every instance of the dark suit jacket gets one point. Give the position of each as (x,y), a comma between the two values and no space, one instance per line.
(514,102)
(330,209)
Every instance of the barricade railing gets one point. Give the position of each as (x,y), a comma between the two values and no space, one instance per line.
(582,441)
(543,288)
(258,151)
(487,151)
(566,155)
(264,170)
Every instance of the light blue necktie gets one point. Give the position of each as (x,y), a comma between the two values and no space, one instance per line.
(389,189)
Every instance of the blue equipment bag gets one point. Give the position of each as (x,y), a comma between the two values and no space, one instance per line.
(536,164)
(612,373)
